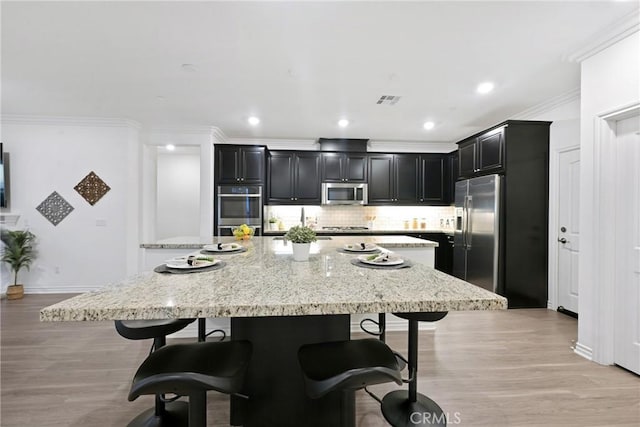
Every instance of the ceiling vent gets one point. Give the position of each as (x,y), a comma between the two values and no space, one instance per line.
(388,100)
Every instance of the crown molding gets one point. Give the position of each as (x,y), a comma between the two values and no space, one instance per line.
(186,130)
(549,104)
(18,119)
(619,30)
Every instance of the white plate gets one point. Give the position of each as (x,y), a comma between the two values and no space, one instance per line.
(181,264)
(357,248)
(214,248)
(393,261)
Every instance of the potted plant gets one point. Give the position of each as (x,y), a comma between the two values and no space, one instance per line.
(301,238)
(273,223)
(18,253)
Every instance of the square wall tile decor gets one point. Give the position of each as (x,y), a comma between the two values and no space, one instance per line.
(55,208)
(92,188)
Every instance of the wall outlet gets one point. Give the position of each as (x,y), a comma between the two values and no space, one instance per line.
(101,222)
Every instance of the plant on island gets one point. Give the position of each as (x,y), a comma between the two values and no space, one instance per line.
(300,234)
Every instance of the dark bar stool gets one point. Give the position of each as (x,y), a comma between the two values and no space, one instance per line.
(173,414)
(346,366)
(399,407)
(192,370)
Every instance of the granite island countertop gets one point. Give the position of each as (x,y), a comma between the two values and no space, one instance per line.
(388,241)
(265,281)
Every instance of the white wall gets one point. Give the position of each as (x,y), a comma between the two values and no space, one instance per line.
(609,82)
(178,194)
(49,154)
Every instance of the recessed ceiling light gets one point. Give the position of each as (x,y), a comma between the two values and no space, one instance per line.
(170,147)
(485,87)
(428,125)
(343,123)
(253,120)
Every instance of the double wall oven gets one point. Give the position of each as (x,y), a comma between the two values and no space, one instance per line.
(237,205)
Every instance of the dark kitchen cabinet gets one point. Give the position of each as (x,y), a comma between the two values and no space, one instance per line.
(393,178)
(518,151)
(239,164)
(481,155)
(293,177)
(344,167)
(444,251)
(434,179)
(452,176)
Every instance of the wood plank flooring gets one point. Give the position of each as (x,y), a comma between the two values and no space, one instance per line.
(509,368)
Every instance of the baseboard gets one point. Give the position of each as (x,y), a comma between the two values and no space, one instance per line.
(584,351)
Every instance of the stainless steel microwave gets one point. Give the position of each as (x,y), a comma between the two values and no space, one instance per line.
(344,194)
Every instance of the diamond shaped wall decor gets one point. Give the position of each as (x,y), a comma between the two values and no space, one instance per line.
(55,208)
(92,188)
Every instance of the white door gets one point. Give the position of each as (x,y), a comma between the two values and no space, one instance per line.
(568,232)
(627,245)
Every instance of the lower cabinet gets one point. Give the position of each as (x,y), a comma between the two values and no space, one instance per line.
(444,251)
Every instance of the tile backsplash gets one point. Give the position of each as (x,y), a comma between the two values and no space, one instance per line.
(386,217)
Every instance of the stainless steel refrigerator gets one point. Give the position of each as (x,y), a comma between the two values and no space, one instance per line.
(476,250)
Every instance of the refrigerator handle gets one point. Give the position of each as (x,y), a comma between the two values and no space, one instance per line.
(469,233)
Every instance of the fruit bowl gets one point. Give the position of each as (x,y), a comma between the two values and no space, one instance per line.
(243,232)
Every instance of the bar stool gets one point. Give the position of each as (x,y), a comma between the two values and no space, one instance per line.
(192,370)
(346,366)
(161,415)
(401,406)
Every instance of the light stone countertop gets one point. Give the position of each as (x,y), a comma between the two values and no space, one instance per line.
(265,281)
(388,241)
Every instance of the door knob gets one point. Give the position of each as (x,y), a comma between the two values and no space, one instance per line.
(563,240)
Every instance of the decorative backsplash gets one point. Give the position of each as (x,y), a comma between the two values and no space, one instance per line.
(386,217)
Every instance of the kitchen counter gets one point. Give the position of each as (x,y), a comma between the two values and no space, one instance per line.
(388,241)
(264,281)
(373,231)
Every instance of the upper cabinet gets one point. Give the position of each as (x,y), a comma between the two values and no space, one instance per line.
(344,167)
(434,179)
(393,178)
(243,164)
(293,177)
(481,155)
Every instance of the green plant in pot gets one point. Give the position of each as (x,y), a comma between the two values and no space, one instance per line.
(301,238)
(273,223)
(19,253)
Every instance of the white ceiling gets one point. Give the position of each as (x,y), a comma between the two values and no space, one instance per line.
(299,66)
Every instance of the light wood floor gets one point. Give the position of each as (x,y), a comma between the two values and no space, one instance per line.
(509,368)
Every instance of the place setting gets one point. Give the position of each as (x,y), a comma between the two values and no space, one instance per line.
(223,248)
(382,261)
(190,264)
(351,248)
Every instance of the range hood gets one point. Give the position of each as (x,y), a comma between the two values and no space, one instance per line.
(343,144)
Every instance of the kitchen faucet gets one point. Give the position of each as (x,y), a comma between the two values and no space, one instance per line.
(302,216)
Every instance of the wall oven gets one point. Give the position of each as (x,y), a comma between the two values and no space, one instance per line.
(237,205)
(344,194)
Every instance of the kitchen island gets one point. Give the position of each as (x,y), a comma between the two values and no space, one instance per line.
(279,305)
